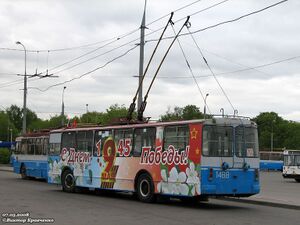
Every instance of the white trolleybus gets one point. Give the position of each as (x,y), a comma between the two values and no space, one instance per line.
(291,164)
(30,156)
(196,158)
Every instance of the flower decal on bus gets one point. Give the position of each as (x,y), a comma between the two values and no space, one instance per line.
(54,170)
(79,162)
(193,179)
(178,182)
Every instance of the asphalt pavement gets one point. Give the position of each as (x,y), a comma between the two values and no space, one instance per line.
(28,200)
(275,190)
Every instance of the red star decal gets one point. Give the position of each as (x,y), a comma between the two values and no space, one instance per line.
(194,133)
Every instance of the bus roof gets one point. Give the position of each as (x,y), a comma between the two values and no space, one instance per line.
(225,121)
(290,151)
(44,133)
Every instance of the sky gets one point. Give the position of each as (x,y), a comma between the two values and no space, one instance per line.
(254,63)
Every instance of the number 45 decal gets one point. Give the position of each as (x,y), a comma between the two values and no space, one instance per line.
(124,147)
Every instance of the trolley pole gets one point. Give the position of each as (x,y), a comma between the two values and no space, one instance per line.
(205,105)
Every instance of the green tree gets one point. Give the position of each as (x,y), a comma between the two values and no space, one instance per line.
(292,135)
(92,117)
(172,115)
(268,124)
(4,155)
(38,124)
(15,116)
(285,133)
(191,112)
(113,113)
(4,126)
(55,121)
(186,113)
(30,117)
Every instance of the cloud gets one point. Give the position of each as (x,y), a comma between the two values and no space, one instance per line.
(259,39)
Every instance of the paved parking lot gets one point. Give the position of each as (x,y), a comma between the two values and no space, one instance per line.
(44,201)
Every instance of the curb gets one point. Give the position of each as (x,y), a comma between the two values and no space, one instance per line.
(262,202)
(6,169)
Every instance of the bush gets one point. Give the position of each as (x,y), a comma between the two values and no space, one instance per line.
(4,155)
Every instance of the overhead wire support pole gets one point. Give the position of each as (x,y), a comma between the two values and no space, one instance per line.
(144,103)
(132,105)
(141,64)
(25,92)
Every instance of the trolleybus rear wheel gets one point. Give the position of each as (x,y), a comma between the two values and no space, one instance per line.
(298,180)
(68,181)
(23,172)
(145,188)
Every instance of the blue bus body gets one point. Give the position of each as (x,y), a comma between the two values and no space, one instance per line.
(232,182)
(275,165)
(30,156)
(35,166)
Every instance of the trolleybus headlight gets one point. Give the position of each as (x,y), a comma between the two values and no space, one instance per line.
(225,166)
(246,166)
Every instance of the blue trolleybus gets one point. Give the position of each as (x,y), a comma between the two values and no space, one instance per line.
(30,156)
(196,158)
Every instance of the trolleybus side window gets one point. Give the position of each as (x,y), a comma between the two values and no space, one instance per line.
(23,146)
(38,146)
(123,140)
(217,141)
(45,145)
(69,140)
(246,142)
(31,146)
(100,138)
(143,137)
(85,141)
(54,143)
(178,136)
(18,148)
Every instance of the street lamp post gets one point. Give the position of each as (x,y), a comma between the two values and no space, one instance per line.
(205,105)
(87,110)
(10,135)
(222,111)
(63,107)
(25,92)
(272,135)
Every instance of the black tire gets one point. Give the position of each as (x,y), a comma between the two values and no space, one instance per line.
(23,172)
(68,181)
(298,180)
(145,188)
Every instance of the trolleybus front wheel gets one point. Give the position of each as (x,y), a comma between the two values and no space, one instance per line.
(298,180)
(145,188)
(68,181)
